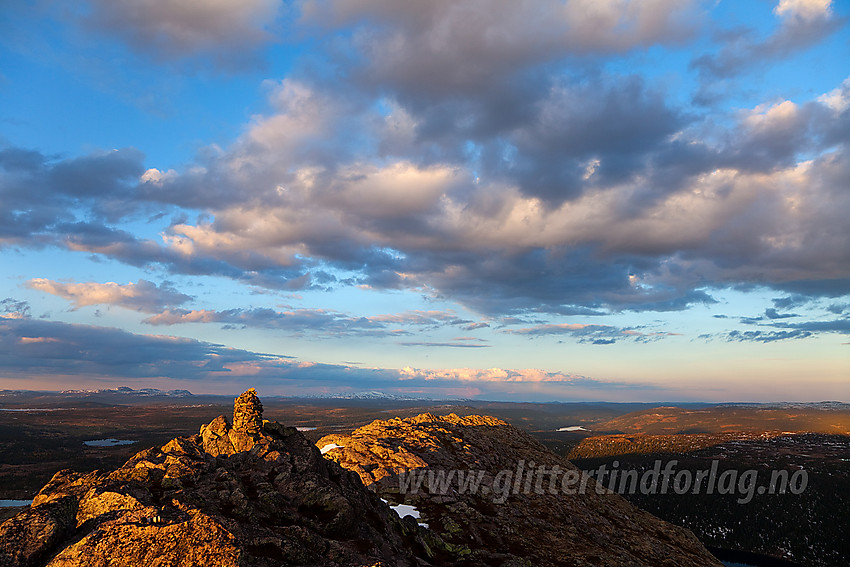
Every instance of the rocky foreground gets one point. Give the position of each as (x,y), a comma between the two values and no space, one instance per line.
(258,493)
(523,512)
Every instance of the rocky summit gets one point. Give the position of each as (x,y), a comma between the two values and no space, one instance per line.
(258,493)
(254,494)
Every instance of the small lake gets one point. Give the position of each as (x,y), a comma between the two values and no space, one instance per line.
(30,409)
(14,503)
(108,442)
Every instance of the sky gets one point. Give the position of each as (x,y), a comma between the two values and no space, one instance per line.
(530,200)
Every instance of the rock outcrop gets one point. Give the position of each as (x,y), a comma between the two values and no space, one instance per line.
(519,514)
(255,494)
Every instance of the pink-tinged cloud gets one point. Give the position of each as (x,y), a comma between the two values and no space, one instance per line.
(141,296)
(36,340)
(174,317)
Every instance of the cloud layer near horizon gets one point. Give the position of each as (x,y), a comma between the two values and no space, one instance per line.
(46,352)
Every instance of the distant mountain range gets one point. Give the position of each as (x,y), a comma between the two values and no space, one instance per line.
(371,395)
(124,390)
(827,405)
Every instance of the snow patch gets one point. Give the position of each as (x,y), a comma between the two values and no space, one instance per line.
(405,510)
(330,447)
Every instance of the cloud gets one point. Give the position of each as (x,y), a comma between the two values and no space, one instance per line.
(143,296)
(430,318)
(589,333)
(528,380)
(41,192)
(314,321)
(443,46)
(765,336)
(744,209)
(838,308)
(561,329)
(327,323)
(488,375)
(227,32)
(147,297)
(804,9)
(835,326)
(13,309)
(771,313)
(544,186)
(785,329)
(444,344)
(37,348)
(39,351)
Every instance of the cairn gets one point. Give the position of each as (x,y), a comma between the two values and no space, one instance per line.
(248,412)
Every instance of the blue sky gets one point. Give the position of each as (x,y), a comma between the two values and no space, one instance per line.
(526,200)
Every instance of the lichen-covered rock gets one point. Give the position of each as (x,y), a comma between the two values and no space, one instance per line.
(27,538)
(203,501)
(123,542)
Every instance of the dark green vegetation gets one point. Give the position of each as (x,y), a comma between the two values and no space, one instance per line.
(809,528)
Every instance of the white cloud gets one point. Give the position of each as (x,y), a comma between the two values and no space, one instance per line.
(158,177)
(804,9)
(837,99)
